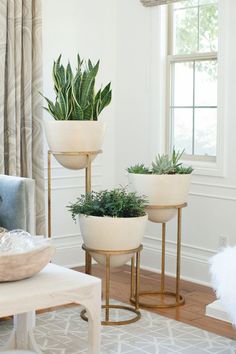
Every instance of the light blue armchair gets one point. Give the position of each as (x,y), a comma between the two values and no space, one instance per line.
(17,203)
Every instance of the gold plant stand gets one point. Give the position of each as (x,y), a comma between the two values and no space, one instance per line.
(135,280)
(88,172)
(174,298)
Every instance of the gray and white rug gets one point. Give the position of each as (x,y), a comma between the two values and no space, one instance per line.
(63,332)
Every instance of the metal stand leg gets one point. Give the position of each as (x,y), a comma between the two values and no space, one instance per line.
(88,263)
(163,257)
(49,195)
(178,255)
(137,280)
(165,298)
(88,173)
(107,287)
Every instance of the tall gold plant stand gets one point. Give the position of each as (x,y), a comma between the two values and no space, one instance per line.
(164,298)
(134,284)
(88,172)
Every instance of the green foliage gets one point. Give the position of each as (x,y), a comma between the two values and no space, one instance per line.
(163,165)
(76,98)
(198,34)
(114,203)
(139,168)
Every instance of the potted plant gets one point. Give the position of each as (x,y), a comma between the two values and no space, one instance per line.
(166,183)
(111,220)
(75,126)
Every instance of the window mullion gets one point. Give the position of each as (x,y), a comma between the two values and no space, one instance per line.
(193,131)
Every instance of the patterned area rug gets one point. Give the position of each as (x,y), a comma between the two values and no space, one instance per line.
(63,332)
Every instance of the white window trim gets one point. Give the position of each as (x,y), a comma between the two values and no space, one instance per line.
(160,102)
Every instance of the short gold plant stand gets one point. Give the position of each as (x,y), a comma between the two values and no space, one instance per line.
(164,298)
(135,276)
(88,172)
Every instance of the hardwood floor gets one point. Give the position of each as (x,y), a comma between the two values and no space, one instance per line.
(192,312)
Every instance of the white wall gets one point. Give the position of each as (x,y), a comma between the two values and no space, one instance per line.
(122,33)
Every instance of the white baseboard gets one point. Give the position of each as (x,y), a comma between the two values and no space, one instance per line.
(216,310)
(194,262)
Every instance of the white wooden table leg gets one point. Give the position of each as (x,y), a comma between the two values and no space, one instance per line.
(23,327)
(94,321)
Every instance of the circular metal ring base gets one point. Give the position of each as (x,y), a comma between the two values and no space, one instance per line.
(162,296)
(115,323)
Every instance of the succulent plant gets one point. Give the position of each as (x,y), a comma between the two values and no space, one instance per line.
(163,165)
(139,169)
(76,98)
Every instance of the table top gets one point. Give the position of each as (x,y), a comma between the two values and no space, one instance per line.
(45,289)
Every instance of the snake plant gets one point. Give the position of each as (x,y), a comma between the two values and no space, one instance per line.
(76,98)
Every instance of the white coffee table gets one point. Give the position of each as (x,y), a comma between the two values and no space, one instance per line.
(53,286)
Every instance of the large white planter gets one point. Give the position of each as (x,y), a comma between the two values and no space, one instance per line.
(74,136)
(113,234)
(162,190)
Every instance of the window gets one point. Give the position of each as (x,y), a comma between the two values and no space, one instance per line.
(192,63)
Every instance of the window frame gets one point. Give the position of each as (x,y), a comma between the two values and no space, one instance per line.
(202,161)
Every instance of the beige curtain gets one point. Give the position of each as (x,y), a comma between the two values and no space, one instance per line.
(21,143)
(157,2)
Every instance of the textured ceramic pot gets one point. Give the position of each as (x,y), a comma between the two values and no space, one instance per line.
(19,266)
(113,234)
(74,136)
(161,190)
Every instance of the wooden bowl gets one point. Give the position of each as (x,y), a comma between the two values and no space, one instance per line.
(24,265)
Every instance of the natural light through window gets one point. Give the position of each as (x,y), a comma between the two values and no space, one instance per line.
(193,45)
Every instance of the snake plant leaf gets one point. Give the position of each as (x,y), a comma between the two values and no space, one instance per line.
(62,104)
(90,65)
(88,112)
(76,87)
(78,113)
(105,90)
(87,81)
(97,104)
(69,75)
(105,101)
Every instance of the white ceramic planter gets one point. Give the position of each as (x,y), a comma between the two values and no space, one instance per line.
(161,190)
(74,136)
(113,234)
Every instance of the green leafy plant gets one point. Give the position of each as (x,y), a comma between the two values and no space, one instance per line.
(76,98)
(114,203)
(163,165)
(139,169)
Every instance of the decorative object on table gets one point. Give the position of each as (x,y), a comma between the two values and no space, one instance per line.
(23,255)
(75,127)
(111,220)
(166,183)
(222,269)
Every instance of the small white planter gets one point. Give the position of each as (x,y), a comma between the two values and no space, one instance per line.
(74,136)
(113,234)
(162,190)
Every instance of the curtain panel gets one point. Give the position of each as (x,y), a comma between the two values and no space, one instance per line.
(157,2)
(21,137)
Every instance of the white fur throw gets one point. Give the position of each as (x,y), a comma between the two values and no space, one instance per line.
(223,271)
